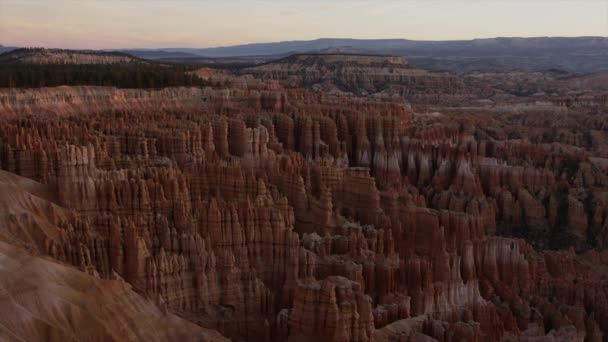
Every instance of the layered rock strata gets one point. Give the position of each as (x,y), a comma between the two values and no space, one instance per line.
(273,214)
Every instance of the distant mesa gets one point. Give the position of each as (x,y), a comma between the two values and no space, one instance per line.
(61,56)
(335,58)
(158,54)
(347,50)
(314,67)
(340,73)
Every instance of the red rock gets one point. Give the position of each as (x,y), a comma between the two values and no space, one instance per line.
(283,214)
(334,309)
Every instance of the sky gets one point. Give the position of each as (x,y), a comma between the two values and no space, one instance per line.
(104,24)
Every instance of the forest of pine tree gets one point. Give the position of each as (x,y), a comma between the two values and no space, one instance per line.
(136,75)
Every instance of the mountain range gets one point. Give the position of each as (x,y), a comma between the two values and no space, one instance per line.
(414,48)
(572,54)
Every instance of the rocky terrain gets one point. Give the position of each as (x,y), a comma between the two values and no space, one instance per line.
(380,76)
(59,56)
(542,84)
(45,300)
(285,204)
(392,77)
(343,72)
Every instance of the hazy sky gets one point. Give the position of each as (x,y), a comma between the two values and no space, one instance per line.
(206,23)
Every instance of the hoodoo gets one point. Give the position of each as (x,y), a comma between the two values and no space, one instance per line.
(330,190)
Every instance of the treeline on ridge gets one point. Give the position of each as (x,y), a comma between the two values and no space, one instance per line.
(134,75)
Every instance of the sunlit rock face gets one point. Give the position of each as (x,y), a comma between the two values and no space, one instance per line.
(270,213)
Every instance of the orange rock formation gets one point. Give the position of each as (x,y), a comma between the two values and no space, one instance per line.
(285,214)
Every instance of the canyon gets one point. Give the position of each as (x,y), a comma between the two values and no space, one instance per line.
(318,197)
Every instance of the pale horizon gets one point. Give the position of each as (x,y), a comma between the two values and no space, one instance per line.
(116,24)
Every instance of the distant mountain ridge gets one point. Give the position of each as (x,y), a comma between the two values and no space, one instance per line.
(574,54)
(4,49)
(157,54)
(404,46)
(502,54)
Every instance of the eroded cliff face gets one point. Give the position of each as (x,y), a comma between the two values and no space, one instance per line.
(380,76)
(286,214)
(45,300)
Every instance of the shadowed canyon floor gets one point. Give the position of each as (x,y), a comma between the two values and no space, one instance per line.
(272,208)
